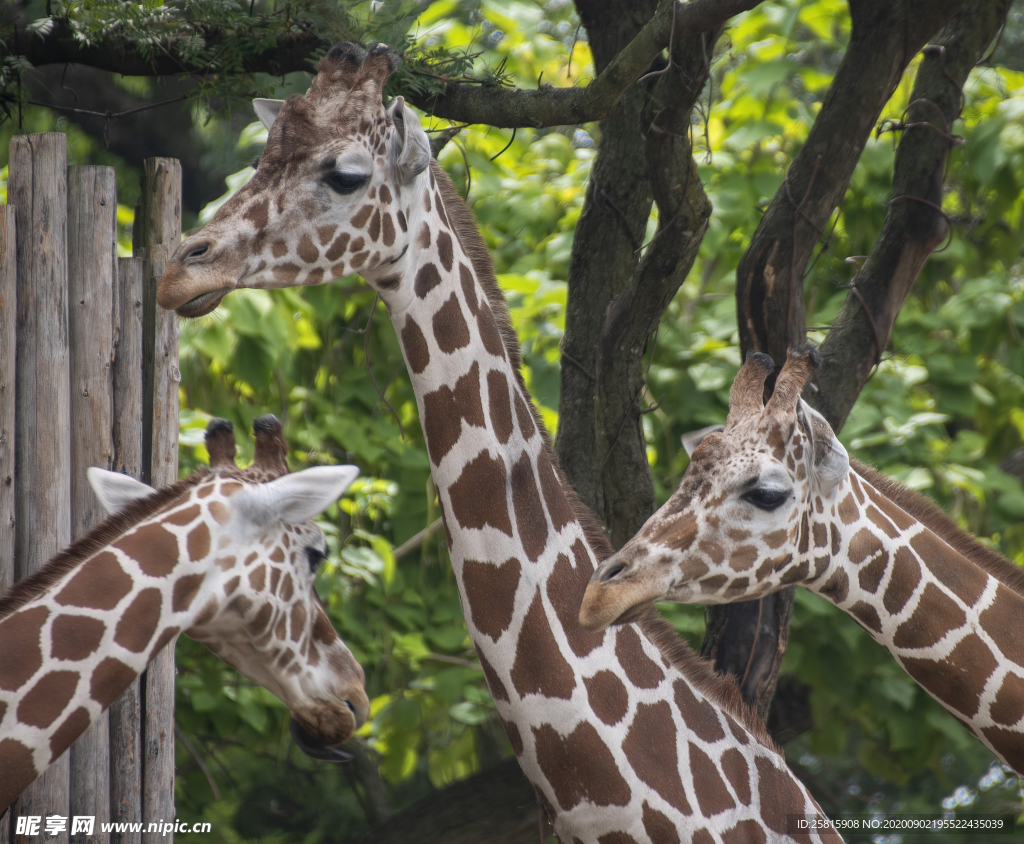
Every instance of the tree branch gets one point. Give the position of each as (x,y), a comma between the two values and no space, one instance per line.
(912,229)
(465,102)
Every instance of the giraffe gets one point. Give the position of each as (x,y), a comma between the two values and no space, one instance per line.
(627,736)
(774,499)
(227,556)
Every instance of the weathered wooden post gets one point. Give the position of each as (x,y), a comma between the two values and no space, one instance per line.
(156,235)
(88,377)
(92,275)
(126,711)
(8,324)
(37,188)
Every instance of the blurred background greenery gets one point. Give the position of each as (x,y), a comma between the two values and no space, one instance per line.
(945,406)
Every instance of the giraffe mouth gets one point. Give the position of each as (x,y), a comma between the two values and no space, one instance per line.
(635,612)
(202,304)
(312,748)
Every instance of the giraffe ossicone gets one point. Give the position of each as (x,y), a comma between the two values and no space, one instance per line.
(773,499)
(627,736)
(227,556)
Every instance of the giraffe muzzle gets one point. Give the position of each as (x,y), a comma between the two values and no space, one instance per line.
(313,748)
(202,304)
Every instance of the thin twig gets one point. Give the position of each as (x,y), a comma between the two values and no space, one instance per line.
(107,114)
(199,761)
(369,369)
(416,541)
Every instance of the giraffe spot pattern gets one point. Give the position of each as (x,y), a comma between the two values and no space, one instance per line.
(489,334)
(373,231)
(387,230)
(906,575)
(183,516)
(423,238)
(417,352)
(109,679)
(99,584)
(450,328)
(444,250)
(565,589)
(337,249)
(713,796)
(185,589)
(478,497)
(307,249)
(867,615)
(965,580)
(198,543)
(357,260)
(498,690)
(837,541)
(325,233)
(530,519)
(402,222)
(863,545)
(700,716)
(287,273)
(74,637)
(580,767)
(553,678)
(617,837)
(297,621)
(17,765)
(258,213)
(361,216)
(778,795)
(427,278)
(468,288)
(607,696)
(970,661)
(279,248)
(557,504)
(641,670)
(46,700)
(871,575)
(880,521)
(820,535)
(500,408)
(650,748)
(935,616)
(444,412)
(702,836)
(848,511)
(523,416)
(742,559)
(745,832)
(21,655)
(796,574)
(153,548)
(514,737)
(837,587)
(1008,706)
(490,592)
(734,766)
(72,727)
(659,827)
(138,623)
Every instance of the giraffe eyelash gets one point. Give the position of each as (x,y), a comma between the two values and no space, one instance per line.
(316,557)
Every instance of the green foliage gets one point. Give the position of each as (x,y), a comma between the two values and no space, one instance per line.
(943,408)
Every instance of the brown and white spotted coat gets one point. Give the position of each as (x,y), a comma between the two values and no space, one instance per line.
(772,501)
(627,735)
(225,556)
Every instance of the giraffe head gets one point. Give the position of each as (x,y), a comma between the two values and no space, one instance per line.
(248,553)
(331,194)
(739,524)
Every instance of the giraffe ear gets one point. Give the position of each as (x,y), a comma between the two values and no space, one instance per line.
(410,149)
(267,110)
(296,497)
(830,462)
(116,491)
(692,439)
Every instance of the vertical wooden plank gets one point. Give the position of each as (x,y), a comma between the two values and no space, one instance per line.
(126,713)
(8,316)
(37,187)
(92,268)
(158,234)
(8,322)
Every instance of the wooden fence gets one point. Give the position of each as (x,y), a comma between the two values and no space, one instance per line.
(88,377)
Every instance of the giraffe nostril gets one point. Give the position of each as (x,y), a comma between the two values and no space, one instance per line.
(352,709)
(612,572)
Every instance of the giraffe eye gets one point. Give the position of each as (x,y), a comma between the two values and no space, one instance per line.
(316,557)
(345,183)
(766,499)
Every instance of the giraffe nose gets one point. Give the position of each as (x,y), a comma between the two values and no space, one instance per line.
(610,570)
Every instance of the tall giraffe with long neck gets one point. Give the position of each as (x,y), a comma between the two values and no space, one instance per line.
(627,736)
(774,499)
(227,557)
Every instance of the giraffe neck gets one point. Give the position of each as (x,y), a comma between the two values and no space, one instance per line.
(616,732)
(90,627)
(952,624)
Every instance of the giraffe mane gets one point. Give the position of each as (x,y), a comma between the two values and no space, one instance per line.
(97,538)
(932,517)
(720,688)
